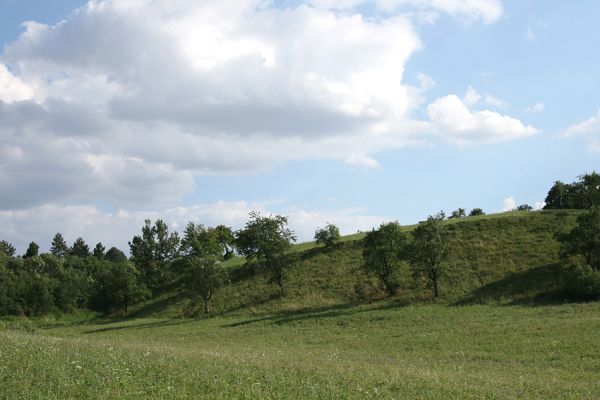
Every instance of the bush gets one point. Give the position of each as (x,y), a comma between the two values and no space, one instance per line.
(584,282)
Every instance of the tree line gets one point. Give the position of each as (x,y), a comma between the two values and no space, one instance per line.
(77,276)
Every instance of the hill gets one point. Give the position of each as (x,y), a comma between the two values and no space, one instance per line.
(506,258)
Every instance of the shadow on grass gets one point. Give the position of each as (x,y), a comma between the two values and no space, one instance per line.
(316,313)
(143,325)
(534,287)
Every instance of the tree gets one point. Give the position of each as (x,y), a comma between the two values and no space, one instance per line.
(584,193)
(118,288)
(32,250)
(200,241)
(430,250)
(383,252)
(590,184)
(458,213)
(557,196)
(226,240)
(99,251)
(266,241)
(59,247)
(584,238)
(475,212)
(524,207)
(79,248)
(327,236)
(7,249)
(152,253)
(115,255)
(203,278)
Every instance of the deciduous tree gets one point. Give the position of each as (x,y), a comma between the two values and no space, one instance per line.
(383,251)
(266,241)
(430,250)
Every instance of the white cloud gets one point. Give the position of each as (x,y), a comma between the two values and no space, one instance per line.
(197,87)
(494,102)
(538,205)
(12,88)
(362,160)
(588,129)
(205,87)
(472,98)
(452,119)
(487,10)
(509,204)
(40,223)
(535,109)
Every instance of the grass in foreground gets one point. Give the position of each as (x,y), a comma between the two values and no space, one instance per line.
(378,351)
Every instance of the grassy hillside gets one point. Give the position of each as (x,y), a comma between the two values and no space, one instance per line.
(502,258)
(326,338)
(373,351)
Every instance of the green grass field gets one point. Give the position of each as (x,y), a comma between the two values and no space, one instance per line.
(383,350)
(502,329)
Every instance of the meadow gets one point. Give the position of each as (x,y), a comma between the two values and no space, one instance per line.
(381,350)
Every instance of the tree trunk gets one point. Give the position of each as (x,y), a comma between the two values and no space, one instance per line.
(206,306)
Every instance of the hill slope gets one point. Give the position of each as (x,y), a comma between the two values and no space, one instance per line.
(504,258)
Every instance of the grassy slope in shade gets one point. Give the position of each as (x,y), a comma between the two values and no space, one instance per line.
(499,259)
(373,351)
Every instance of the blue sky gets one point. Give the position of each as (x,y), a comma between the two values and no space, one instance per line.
(351,112)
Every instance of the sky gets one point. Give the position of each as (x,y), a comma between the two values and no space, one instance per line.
(351,112)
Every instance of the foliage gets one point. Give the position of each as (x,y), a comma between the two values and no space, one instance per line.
(584,238)
(200,241)
(99,251)
(524,207)
(79,248)
(115,255)
(59,247)
(118,288)
(32,250)
(584,282)
(383,252)
(266,240)
(226,240)
(457,213)
(328,236)
(430,250)
(475,212)
(584,193)
(152,253)
(7,248)
(203,278)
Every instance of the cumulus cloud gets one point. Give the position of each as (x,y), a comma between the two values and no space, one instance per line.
(509,204)
(211,87)
(589,129)
(197,87)
(12,88)
(116,229)
(454,120)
